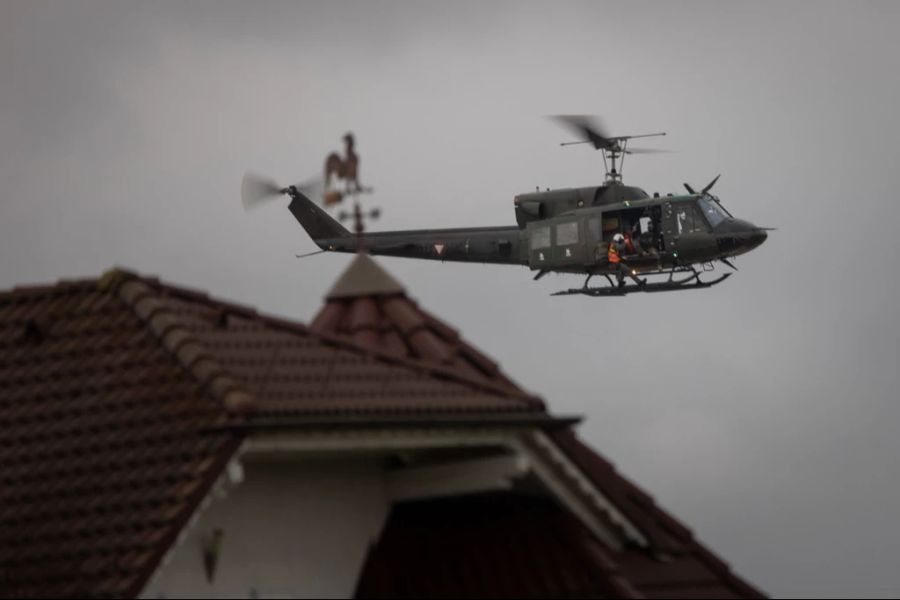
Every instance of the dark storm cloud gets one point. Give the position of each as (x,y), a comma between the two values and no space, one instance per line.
(761,412)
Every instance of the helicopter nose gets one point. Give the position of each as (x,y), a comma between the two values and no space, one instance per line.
(737,236)
(757,237)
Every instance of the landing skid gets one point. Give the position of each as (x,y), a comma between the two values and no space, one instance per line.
(690,283)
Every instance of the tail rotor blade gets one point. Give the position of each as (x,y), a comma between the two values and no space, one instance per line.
(257,189)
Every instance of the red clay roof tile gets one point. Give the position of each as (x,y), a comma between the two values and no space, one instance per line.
(362,314)
(403,329)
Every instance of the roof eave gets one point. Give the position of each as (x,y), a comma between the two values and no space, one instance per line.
(539,420)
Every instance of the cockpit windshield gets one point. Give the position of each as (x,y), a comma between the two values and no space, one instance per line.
(713,211)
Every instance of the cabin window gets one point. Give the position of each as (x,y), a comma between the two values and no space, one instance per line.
(540,238)
(567,234)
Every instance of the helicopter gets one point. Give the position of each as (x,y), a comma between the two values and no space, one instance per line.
(636,242)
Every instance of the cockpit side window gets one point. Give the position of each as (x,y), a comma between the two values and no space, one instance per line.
(688,219)
(712,210)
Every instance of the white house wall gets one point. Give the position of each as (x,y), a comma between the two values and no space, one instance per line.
(289,530)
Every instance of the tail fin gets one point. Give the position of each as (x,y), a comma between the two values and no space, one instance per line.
(317,223)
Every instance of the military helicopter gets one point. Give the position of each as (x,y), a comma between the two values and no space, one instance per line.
(636,242)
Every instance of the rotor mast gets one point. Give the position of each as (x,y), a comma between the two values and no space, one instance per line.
(610,156)
(614,147)
(614,155)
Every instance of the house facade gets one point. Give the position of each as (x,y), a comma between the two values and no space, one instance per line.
(161,443)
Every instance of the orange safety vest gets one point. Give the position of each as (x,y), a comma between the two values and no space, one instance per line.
(612,254)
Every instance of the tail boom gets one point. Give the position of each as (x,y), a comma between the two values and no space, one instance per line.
(499,245)
(475,244)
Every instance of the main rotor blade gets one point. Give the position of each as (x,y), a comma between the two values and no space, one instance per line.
(587,128)
(647,151)
(711,183)
(631,137)
(689,189)
(257,189)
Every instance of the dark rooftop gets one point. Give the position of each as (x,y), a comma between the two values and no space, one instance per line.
(122,399)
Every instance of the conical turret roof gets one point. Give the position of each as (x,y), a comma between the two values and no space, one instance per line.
(371,307)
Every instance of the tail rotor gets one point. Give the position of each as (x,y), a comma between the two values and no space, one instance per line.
(257,190)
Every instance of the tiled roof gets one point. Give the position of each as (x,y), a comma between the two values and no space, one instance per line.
(101,457)
(116,398)
(368,306)
(122,399)
(268,367)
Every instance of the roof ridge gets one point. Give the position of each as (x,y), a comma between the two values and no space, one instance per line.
(62,286)
(175,336)
(116,276)
(192,294)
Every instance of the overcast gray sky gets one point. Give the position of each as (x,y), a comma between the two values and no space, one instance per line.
(761,412)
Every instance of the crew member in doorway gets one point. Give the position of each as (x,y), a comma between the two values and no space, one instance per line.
(615,251)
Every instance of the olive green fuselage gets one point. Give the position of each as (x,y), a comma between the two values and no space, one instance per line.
(571,231)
